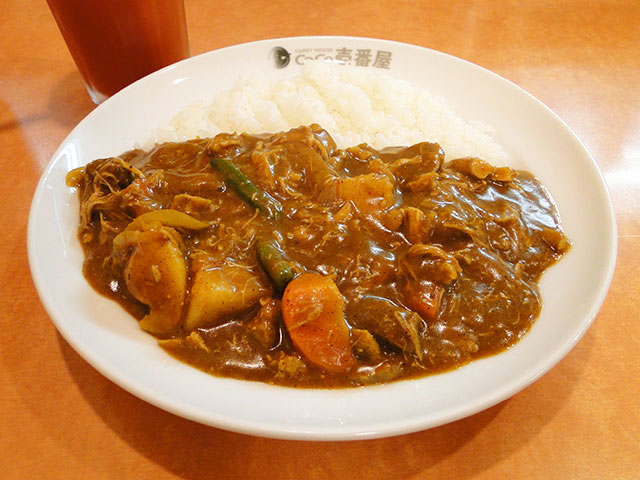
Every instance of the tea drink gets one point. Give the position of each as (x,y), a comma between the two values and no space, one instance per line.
(116,42)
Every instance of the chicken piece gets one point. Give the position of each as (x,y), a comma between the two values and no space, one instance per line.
(288,366)
(137,198)
(472,166)
(431,262)
(261,161)
(344,213)
(409,162)
(503,174)
(393,219)
(191,204)
(102,184)
(555,239)
(413,223)
(424,182)
(370,193)
(376,165)
(155,274)
(384,319)
(219,292)
(365,346)
(384,372)
(264,326)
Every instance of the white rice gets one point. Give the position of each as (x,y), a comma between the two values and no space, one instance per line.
(354,105)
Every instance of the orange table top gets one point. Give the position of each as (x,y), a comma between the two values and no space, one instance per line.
(59,418)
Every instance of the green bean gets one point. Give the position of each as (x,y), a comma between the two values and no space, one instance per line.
(247,189)
(275,263)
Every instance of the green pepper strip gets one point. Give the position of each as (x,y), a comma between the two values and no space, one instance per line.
(247,189)
(275,263)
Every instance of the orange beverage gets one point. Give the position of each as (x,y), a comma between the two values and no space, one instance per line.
(116,42)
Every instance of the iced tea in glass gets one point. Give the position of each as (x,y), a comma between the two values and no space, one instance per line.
(116,42)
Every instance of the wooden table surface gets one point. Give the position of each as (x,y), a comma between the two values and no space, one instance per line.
(59,418)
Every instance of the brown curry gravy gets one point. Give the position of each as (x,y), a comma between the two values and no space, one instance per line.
(383,224)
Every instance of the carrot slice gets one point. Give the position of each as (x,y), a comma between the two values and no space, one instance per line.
(424,297)
(313,312)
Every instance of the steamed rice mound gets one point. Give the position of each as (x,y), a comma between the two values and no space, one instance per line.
(354,105)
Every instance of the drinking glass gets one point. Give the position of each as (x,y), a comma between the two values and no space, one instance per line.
(116,42)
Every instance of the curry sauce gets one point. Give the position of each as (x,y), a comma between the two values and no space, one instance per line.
(283,259)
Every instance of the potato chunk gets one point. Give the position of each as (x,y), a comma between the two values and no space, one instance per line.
(155,274)
(217,293)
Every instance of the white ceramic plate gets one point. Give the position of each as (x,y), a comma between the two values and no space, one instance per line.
(111,341)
